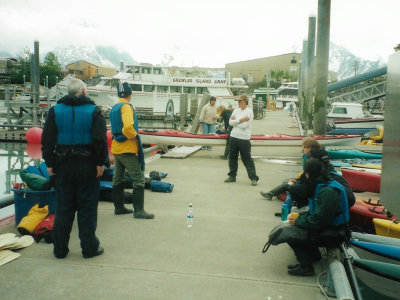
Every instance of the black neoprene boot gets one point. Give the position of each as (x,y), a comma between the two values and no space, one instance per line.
(275,191)
(138,204)
(279,189)
(118,199)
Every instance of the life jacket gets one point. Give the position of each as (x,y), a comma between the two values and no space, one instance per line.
(343,216)
(43,229)
(115,116)
(35,215)
(74,124)
(116,121)
(351,199)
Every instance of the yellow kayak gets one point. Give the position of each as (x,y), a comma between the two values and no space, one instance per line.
(378,167)
(390,228)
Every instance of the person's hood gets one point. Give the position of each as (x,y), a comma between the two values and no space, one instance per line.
(72,100)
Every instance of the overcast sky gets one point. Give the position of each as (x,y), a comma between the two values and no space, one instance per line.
(206,33)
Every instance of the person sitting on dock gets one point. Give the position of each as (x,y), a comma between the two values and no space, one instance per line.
(241,120)
(127,150)
(74,147)
(308,144)
(328,211)
(208,119)
(323,156)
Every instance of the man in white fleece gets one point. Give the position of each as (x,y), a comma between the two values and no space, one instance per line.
(240,141)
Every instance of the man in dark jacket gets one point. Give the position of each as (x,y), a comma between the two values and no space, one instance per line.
(328,210)
(226,115)
(74,147)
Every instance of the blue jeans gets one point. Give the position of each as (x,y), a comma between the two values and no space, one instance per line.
(208,129)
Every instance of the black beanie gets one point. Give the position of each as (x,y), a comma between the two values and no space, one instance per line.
(124,89)
(313,167)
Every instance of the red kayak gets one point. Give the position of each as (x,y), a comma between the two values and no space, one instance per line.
(362,180)
(175,137)
(362,216)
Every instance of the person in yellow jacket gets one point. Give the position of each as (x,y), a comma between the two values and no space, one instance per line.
(128,154)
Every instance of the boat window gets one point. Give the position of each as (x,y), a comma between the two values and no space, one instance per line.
(146,70)
(339,110)
(176,89)
(136,87)
(148,88)
(106,82)
(157,71)
(162,88)
(202,90)
(114,82)
(189,89)
(137,70)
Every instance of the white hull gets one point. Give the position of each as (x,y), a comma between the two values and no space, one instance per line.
(154,102)
(358,124)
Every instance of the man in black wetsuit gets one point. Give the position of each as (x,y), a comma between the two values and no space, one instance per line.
(74,147)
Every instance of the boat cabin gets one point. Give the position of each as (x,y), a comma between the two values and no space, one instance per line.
(175,80)
(343,110)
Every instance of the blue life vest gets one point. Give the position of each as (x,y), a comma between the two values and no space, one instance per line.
(115,116)
(74,124)
(344,215)
(116,121)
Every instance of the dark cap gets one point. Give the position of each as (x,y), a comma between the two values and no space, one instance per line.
(124,89)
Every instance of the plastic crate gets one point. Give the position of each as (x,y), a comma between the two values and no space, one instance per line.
(24,200)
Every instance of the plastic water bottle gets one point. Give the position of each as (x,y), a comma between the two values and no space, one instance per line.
(294,212)
(289,201)
(189,217)
(285,211)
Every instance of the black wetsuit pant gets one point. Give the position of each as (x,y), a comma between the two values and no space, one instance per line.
(243,147)
(76,193)
(306,253)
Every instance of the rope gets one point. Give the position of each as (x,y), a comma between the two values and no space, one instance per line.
(320,285)
(390,225)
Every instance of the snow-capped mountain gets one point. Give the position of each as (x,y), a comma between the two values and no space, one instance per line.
(342,61)
(98,55)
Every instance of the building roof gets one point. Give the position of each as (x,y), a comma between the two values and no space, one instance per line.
(93,64)
(293,53)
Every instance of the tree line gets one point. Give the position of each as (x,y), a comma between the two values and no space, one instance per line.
(50,67)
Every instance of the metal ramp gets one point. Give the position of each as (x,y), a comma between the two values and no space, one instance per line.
(363,88)
(362,95)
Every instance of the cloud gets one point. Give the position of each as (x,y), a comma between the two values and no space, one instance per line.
(207,33)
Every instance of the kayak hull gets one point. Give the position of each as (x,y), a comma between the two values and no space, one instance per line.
(175,137)
(348,154)
(362,180)
(362,215)
(387,228)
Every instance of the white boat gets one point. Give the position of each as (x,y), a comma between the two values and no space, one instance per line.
(352,115)
(175,137)
(154,86)
(287,95)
